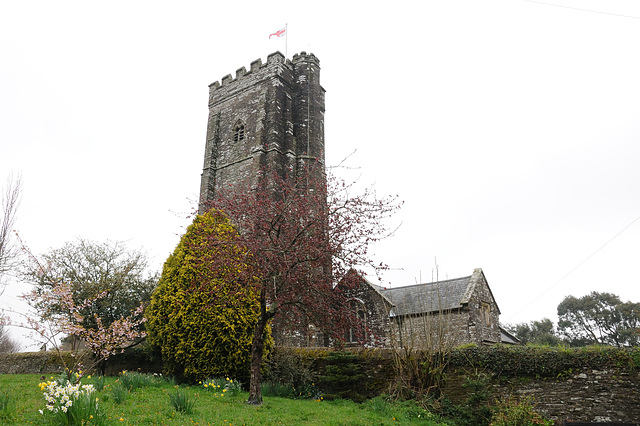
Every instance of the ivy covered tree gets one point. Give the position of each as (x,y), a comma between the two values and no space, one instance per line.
(305,231)
(203,312)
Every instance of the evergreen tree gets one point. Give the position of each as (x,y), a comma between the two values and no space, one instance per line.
(203,312)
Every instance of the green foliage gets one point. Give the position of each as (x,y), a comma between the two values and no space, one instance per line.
(539,361)
(202,315)
(222,387)
(536,332)
(402,410)
(517,412)
(133,380)
(234,387)
(118,275)
(278,389)
(475,411)
(635,356)
(181,401)
(599,318)
(70,403)
(5,405)
(418,373)
(119,392)
(344,377)
(84,411)
(98,383)
(288,368)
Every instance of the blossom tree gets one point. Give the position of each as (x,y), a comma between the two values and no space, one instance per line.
(305,231)
(119,274)
(55,314)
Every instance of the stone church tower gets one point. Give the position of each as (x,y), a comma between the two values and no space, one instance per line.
(270,117)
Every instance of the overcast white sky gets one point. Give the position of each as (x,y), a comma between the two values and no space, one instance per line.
(509,127)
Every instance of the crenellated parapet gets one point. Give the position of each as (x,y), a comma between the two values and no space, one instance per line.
(275,61)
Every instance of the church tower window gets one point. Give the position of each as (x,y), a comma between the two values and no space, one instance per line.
(238,132)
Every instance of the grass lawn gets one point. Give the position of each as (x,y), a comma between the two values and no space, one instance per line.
(150,405)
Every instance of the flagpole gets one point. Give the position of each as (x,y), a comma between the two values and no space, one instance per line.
(286,39)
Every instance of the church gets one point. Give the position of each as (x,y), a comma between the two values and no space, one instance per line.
(271,116)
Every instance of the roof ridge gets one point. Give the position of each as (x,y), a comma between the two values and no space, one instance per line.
(425,284)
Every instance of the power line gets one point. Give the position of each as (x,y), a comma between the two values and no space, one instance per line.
(576,267)
(584,10)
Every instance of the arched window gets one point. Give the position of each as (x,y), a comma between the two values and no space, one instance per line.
(238,132)
(353,335)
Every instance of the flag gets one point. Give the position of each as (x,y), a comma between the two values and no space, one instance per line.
(278,33)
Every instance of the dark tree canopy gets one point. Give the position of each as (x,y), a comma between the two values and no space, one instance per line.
(109,269)
(599,318)
(536,332)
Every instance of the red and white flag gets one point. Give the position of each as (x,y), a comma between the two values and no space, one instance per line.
(278,33)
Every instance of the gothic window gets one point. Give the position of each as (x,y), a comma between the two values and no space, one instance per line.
(351,336)
(238,132)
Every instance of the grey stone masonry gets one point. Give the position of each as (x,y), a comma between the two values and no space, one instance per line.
(268,118)
(608,396)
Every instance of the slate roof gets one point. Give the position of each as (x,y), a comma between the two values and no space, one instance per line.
(431,297)
(508,338)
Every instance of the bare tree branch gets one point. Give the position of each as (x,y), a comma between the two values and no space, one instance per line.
(9,251)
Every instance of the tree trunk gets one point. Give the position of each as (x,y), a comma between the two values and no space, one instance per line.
(257,350)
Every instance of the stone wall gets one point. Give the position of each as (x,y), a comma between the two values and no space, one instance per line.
(49,363)
(439,330)
(607,395)
(30,363)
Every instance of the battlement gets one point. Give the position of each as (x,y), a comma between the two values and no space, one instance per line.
(304,57)
(273,60)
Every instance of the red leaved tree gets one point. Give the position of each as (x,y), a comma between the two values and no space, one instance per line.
(304,231)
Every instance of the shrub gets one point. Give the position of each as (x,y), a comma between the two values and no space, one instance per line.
(120,393)
(180,402)
(222,387)
(278,389)
(514,412)
(132,380)
(99,383)
(475,410)
(291,368)
(344,377)
(539,361)
(202,317)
